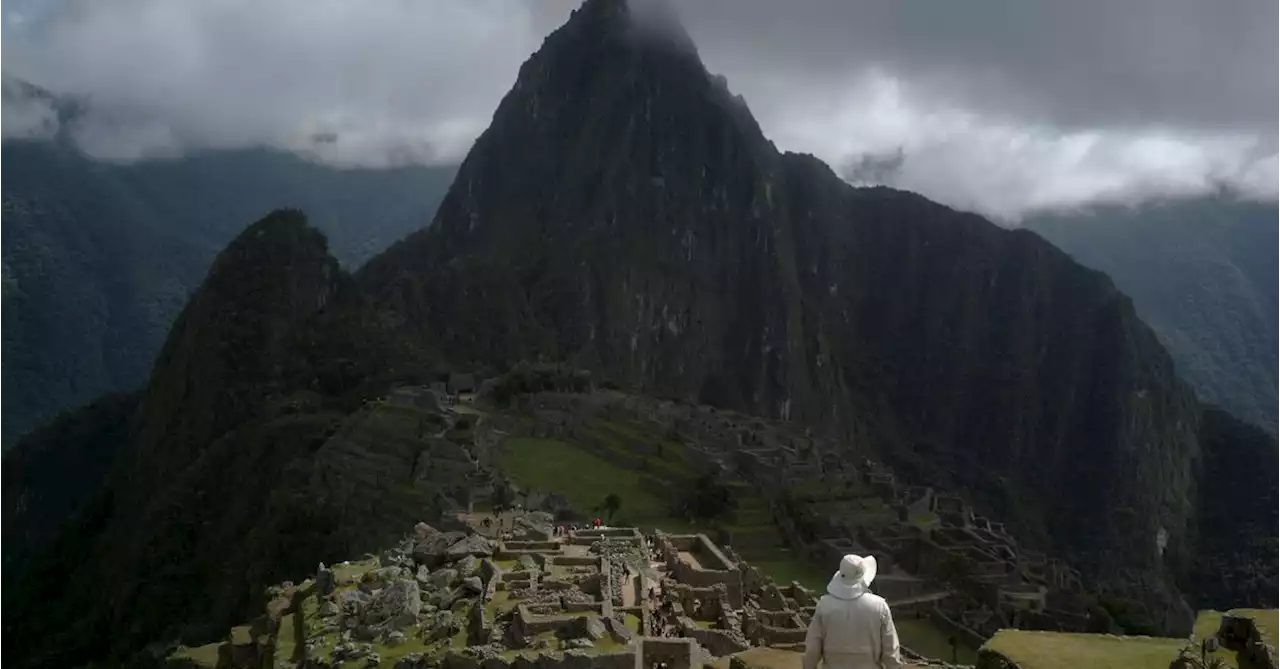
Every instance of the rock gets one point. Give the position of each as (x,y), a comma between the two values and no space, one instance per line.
(423,575)
(395,558)
(353,596)
(395,638)
(474,545)
(423,531)
(442,598)
(443,578)
(399,604)
(579,643)
(619,630)
(594,629)
(431,551)
(329,608)
(411,661)
(527,563)
(467,566)
(325,581)
(473,584)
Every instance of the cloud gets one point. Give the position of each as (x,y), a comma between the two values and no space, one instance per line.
(393,80)
(26,114)
(1001,106)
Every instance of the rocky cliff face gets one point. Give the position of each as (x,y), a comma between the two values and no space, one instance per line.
(625,212)
(1235,565)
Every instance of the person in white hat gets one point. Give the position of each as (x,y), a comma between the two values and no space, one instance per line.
(852,627)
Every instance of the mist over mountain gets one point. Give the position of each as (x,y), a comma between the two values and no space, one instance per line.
(100,258)
(1202,273)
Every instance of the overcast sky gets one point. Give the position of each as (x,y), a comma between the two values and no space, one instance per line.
(1001,106)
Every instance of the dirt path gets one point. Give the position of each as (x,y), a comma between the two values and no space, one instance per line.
(629,590)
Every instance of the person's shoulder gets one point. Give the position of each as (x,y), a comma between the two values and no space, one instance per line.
(876,600)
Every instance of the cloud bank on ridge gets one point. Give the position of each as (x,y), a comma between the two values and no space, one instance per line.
(999,106)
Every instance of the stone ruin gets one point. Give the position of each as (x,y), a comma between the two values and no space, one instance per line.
(939,559)
(605,598)
(1238,636)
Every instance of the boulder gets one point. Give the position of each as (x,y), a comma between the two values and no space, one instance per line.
(423,531)
(395,638)
(473,584)
(432,551)
(442,578)
(619,630)
(474,545)
(398,604)
(325,581)
(527,563)
(588,628)
(329,608)
(467,566)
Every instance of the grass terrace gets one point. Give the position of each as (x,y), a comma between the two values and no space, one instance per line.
(200,656)
(585,480)
(1059,650)
(925,638)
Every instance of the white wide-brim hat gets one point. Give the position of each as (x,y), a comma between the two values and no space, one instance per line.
(854,577)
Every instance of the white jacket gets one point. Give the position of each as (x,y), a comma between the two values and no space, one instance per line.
(852,634)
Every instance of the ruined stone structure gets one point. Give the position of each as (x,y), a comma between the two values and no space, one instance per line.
(608,598)
(938,558)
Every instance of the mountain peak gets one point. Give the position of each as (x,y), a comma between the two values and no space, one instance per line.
(647,23)
(613,115)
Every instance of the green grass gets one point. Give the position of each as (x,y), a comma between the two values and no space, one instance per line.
(785,566)
(387,655)
(351,573)
(204,656)
(664,466)
(1206,625)
(499,604)
(287,636)
(633,623)
(925,638)
(1060,650)
(585,480)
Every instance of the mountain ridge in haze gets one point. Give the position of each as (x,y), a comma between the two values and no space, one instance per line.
(1201,272)
(99,258)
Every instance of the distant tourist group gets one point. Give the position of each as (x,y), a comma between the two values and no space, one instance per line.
(564,530)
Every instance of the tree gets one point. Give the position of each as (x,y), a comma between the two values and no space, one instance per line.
(612,502)
(709,498)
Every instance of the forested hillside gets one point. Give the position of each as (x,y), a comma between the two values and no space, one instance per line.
(1202,273)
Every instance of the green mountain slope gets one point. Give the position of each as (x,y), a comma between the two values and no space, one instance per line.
(98,259)
(1202,273)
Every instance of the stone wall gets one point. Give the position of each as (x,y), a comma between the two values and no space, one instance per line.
(674,653)
(964,635)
